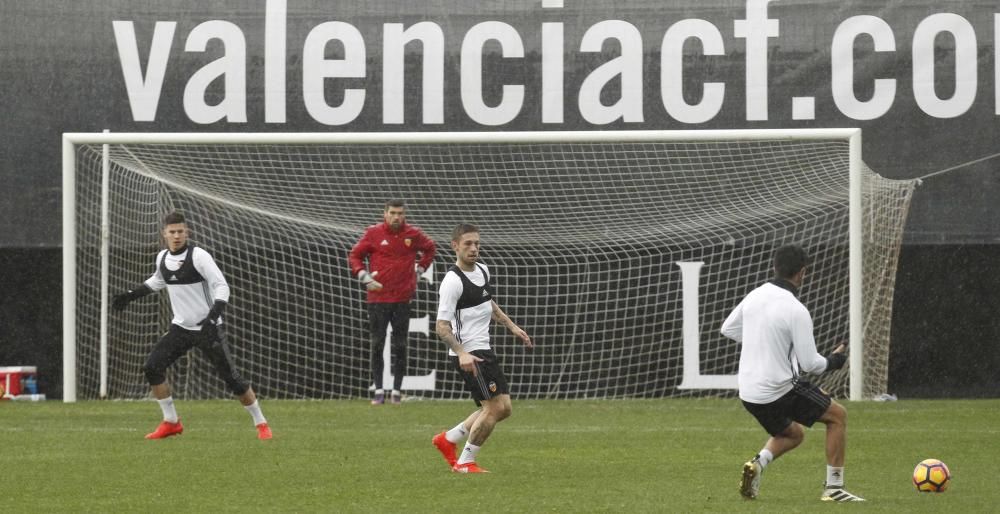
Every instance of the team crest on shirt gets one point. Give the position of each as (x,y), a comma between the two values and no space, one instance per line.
(407,242)
(493,387)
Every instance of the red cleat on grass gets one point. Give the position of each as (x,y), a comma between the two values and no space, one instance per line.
(468,467)
(166,429)
(446,447)
(264,432)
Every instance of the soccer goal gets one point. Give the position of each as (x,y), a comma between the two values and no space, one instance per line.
(620,253)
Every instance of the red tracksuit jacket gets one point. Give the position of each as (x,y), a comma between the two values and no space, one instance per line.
(392,255)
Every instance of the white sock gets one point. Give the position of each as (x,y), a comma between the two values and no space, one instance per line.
(469,454)
(254,410)
(169,412)
(456,434)
(834,477)
(395,392)
(380,391)
(764,458)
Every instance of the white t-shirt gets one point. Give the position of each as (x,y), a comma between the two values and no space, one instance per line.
(471,326)
(777,335)
(190,301)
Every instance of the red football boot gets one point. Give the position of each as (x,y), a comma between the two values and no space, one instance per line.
(468,467)
(446,447)
(166,429)
(264,432)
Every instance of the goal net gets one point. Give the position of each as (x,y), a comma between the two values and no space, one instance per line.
(620,253)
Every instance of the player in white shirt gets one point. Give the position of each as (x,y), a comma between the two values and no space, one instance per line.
(776,332)
(198,296)
(465,309)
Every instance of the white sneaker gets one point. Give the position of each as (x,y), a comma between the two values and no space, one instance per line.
(839,494)
(750,482)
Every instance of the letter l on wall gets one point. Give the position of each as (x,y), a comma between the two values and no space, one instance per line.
(692,377)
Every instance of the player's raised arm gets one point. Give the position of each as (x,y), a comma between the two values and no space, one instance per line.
(121,300)
(152,284)
(501,317)
(837,358)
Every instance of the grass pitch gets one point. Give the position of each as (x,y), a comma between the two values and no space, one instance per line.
(550,456)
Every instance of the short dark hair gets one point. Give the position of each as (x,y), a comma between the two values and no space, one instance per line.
(462,229)
(789,260)
(173,218)
(395,202)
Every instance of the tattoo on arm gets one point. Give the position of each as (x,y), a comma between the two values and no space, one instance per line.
(501,317)
(443,329)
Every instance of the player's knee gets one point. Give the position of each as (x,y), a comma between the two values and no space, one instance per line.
(238,386)
(155,375)
(794,434)
(497,409)
(836,414)
(798,434)
(503,410)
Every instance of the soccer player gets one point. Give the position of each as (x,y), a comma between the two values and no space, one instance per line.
(776,332)
(465,309)
(391,248)
(198,296)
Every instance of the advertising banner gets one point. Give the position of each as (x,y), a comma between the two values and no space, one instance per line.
(919,77)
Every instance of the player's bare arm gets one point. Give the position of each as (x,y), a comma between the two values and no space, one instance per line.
(466,360)
(501,317)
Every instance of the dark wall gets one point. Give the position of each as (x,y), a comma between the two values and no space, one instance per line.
(31,313)
(944,328)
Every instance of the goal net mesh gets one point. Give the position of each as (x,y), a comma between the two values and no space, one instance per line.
(584,240)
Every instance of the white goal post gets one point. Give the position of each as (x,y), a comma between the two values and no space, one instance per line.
(289,182)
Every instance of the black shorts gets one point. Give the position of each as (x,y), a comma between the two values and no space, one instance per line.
(804,404)
(489,381)
(211,341)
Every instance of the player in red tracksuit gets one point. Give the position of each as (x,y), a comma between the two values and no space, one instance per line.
(391,248)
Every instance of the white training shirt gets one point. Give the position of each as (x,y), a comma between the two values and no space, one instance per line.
(190,303)
(471,326)
(777,335)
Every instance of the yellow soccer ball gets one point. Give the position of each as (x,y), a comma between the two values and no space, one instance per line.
(931,476)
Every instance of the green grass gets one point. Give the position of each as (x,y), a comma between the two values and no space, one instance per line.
(551,456)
